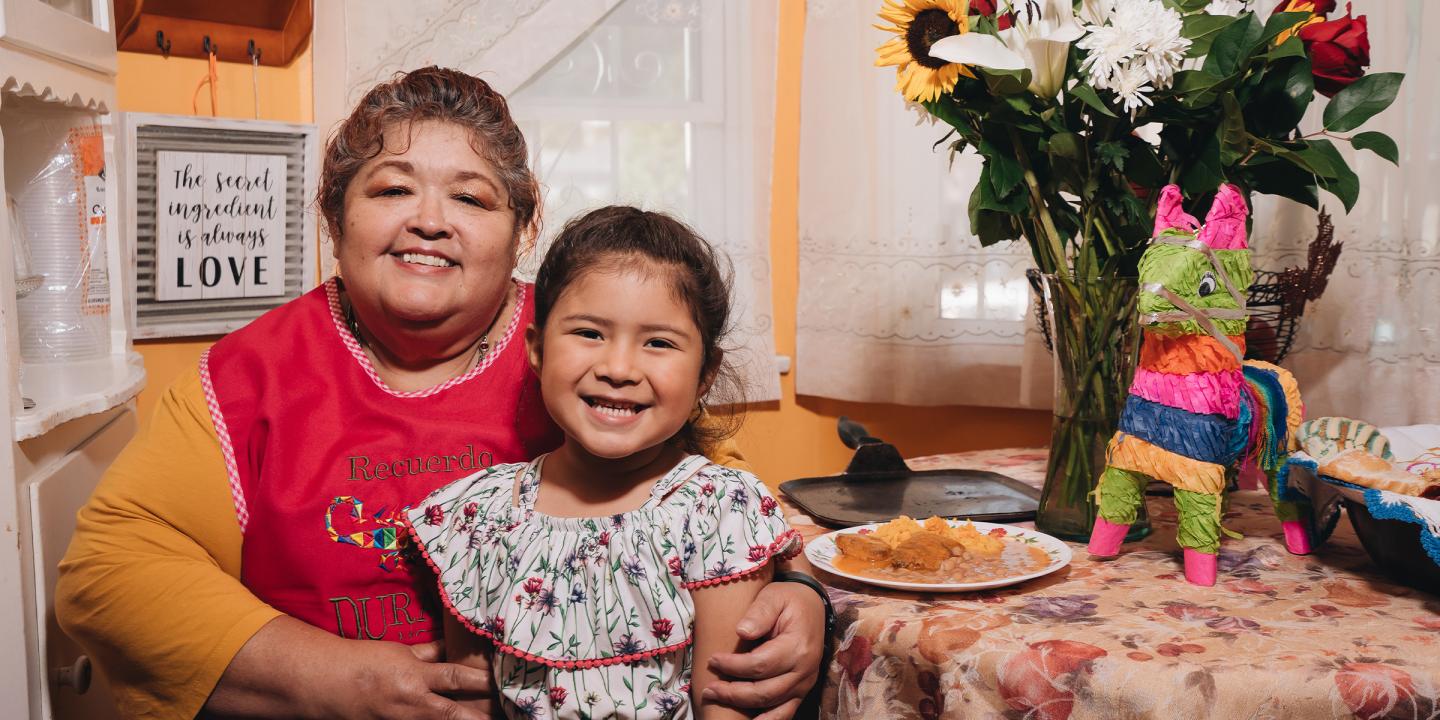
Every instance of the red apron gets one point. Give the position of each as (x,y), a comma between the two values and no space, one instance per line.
(323,458)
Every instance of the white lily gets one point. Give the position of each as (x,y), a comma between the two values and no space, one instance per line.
(1039,41)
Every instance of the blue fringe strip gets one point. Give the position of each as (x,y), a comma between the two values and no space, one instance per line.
(1206,438)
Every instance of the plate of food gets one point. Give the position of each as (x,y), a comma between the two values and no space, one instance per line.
(938,555)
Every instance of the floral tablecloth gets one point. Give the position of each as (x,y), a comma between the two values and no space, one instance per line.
(1280,636)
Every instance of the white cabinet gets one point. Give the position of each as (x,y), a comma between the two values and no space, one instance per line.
(68,417)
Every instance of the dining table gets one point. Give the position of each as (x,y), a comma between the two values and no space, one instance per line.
(1323,635)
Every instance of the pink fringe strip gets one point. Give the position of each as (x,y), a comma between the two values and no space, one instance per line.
(1206,393)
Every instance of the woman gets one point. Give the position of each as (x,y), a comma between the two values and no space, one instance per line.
(242,557)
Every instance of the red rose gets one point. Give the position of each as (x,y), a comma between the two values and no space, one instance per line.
(557,696)
(758,553)
(674,563)
(768,505)
(987,8)
(661,629)
(434,515)
(1314,7)
(708,488)
(1339,51)
(471,509)
(605,538)
(533,585)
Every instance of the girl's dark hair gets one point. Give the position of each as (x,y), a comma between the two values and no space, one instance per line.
(431,93)
(620,237)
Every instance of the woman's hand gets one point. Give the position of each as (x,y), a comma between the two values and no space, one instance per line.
(779,672)
(292,669)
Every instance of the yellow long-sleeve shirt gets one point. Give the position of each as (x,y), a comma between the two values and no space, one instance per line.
(150,585)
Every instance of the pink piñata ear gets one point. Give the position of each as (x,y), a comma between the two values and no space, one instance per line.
(1225,223)
(1169,213)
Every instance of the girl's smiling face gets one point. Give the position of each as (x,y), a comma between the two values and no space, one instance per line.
(620,359)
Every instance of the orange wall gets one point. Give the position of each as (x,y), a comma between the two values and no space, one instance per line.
(796,436)
(792,438)
(150,83)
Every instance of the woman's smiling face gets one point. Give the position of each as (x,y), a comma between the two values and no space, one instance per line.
(428,235)
(620,359)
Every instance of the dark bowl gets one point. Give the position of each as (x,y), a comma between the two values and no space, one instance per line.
(1394,545)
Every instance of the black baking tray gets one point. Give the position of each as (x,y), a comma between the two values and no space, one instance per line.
(879,486)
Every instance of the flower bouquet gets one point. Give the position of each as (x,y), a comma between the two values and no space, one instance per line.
(1083,109)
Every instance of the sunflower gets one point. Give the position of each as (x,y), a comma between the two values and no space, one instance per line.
(917,24)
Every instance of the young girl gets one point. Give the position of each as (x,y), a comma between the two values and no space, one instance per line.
(597,580)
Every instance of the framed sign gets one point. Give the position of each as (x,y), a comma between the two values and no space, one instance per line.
(216,219)
(221,225)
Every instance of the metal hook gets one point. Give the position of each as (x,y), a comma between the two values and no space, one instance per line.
(253,52)
(206,45)
(162,43)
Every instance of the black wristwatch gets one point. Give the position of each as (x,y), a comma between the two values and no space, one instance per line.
(811,705)
(796,576)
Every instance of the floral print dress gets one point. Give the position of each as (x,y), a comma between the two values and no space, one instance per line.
(593,617)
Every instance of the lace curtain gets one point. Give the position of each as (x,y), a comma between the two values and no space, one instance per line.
(898,303)
(1370,347)
(666,104)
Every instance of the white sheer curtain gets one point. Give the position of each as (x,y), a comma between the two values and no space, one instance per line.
(1370,348)
(898,302)
(665,104)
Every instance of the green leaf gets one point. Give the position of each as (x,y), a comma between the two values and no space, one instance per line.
(1279,23)
(1352,106)
(1275,106)
(1201,29)
(946,110)
(1274,176)
(993,227)
(1112,154)
(1005,82)
(1232,46)
(1292,47)
(1198,88)
(1317,162)
(1005,173)
(1205,172)
(1344,184)
(1066,145)
(1231,132)
(1088,96)
(1378,143)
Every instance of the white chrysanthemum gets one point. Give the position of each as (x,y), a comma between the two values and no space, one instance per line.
(1136,50)
(1230,7)
(1131,86)
(1110,49)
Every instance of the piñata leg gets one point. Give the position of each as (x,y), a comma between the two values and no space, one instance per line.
(1120,493)
(1199,534)
(1293,516)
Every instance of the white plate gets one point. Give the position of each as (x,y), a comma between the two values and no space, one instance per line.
(821,551)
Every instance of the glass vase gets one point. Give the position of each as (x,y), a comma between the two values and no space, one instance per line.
(1095,343)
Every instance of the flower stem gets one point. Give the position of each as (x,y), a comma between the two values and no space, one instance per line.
(1042,210)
